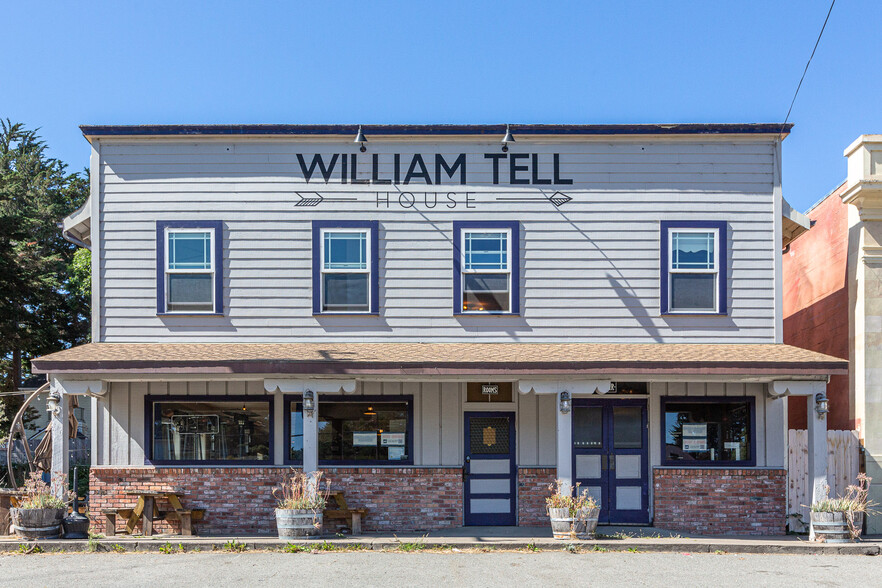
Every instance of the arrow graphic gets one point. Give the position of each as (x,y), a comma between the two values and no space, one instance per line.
(558,199)
(314,199)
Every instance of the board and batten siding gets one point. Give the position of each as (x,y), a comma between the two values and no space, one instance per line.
(438,419)
(589,268)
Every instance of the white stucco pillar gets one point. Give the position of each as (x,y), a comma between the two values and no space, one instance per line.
(564,446)
(310,438)
(58,406)
(817,452)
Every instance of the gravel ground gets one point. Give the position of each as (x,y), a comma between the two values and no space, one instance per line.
(434,569)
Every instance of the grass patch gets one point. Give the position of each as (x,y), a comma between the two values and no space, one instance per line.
(325,546)
(294,548)
(235,546)
(117,548)
(25,549)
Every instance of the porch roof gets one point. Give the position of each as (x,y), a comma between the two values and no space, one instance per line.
(437,359)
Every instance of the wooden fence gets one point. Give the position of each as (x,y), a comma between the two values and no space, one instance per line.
(843,465)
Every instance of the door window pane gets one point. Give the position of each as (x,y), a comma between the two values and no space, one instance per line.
(363,431)
(588,426)
(488,435)
(627,427)
(295,440)
(708,431)
(211,430)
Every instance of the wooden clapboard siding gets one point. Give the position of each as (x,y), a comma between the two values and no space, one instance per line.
(589,270)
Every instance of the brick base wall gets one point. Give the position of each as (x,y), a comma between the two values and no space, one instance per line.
(720,501)
(240,501)
(532,489)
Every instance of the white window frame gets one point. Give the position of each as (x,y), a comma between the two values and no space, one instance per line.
(322,271)
(168,271)
(463,271)
(715,271)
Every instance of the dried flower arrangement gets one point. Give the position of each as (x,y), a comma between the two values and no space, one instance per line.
(39,494)
(303,492)
(854,501)
(573,500)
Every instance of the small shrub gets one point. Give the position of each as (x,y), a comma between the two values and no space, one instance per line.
(92,545)
(39,494)
(574,501)
(235,546)
(167,548)
(531,546)
(117,548)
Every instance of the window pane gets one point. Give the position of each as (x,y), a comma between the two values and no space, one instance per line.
(627,427)
(707,431)
(489,436)
(588,426)
(295,442)
(345,251)
(693,291)
(211,430)
(363,431)
(486,251)
(189,250)
(692,250)
(487,292)
(190,292)
(345,292)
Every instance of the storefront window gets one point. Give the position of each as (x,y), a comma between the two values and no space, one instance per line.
(205,430)
(370,430)
(710,431)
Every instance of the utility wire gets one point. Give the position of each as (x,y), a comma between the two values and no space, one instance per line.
(795,94)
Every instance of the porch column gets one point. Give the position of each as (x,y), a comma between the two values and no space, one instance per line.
(310,421)
(564,446)
(57,405)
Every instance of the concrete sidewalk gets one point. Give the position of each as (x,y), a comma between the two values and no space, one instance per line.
(639,539)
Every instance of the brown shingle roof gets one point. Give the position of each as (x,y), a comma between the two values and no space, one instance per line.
(440,359)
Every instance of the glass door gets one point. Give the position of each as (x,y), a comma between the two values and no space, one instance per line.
(610,451)
(489,470)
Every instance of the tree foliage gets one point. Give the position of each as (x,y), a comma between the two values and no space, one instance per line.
(41,310)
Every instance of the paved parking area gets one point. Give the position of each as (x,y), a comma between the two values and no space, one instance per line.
(435,569)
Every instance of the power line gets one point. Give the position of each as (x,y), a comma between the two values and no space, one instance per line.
(795,94)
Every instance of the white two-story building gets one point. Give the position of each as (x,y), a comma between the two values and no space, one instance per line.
(444,320)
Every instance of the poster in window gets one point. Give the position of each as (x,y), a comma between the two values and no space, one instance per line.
(396,453)
(695,430)
(391,439)
(694,444)
(364,439)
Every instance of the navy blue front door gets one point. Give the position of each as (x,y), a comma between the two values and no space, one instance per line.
(489,469)
(610,455)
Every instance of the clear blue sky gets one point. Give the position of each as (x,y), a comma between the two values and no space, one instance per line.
(97,62)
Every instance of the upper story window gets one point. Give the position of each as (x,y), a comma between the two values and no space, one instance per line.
(486,267)
(345,267)
(189,273)
(693,267)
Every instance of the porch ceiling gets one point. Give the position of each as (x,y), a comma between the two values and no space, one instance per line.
(433,359)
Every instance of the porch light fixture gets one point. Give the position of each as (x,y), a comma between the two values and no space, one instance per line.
(309,403)
(565,404)
(359,138)
(821,404)
(507,138)
(370,411)
(52,403)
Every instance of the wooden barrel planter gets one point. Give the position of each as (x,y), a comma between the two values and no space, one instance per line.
(37,523)
(834,527)
(561,523)
(298,523)
(585,525)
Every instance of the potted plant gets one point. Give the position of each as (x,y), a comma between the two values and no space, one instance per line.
(841,519)
(39,512)
(301,500)
(573,514)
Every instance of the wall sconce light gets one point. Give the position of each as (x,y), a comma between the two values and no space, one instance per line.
(309,403)
(507,138)
(821,404)
(359,138)
(52,403)
(565,403)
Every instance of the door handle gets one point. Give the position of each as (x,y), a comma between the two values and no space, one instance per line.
(603,462)
(612,461)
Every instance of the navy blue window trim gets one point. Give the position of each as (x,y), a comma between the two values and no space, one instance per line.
(292,399)
(218,229)
(514,262)
(751,402)
(722,262)
(150,399)
(374,228)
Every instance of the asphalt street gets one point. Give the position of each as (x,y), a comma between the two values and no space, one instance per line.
(435,569)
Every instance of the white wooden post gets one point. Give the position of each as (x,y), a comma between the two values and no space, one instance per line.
(564,447)
(58,415)
(310,438)
(817,453)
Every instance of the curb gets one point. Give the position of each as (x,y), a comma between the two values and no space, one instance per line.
(208,545)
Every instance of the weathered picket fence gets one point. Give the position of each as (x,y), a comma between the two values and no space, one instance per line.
(843,465)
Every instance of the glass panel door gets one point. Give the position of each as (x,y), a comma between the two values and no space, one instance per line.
(489,468)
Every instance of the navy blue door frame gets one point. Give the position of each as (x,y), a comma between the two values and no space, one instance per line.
(510,474)
(608,482)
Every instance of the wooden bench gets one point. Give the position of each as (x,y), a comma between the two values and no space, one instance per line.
(186,517)
(352,516)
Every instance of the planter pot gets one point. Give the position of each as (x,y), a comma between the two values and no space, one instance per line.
(585,524)
(37,523)
(298,523)
(837,527)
